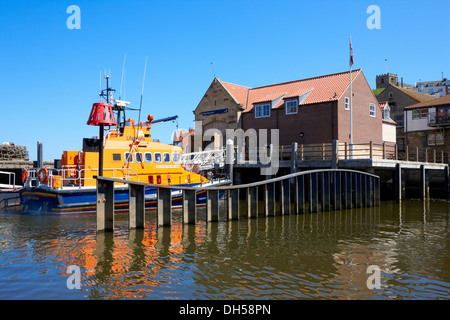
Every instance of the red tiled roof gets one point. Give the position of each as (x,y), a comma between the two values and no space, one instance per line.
(322,89)
(383,104)
(238,92)
(445,100)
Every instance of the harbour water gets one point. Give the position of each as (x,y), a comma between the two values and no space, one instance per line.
(309,256)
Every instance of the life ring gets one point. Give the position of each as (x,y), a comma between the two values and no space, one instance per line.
(43,175)
(24,175)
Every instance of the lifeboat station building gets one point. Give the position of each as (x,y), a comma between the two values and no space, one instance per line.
(307,111)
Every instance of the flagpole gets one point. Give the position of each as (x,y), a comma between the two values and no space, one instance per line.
(351,111)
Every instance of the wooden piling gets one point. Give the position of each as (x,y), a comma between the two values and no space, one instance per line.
(252,202)
(337,190)
(164,207)
(233,204)
(325,190)
(189,207)
(285,196)
(105,205)
(212,205)
(136,212)
(300,195)
(313,192)
(269,199)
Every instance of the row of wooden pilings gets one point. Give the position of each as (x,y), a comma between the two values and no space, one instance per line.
(297,193)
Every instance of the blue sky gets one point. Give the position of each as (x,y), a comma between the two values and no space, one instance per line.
(49,75)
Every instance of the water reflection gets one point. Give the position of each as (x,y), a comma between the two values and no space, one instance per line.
(309,256)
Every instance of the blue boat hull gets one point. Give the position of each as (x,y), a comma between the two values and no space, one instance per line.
(83,200)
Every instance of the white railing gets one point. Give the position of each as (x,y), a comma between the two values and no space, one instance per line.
(11,178)
(203,158)
(70,176)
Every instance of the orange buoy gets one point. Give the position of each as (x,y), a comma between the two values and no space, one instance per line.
(43,175)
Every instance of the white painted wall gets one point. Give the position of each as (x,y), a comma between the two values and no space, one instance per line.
(417,124)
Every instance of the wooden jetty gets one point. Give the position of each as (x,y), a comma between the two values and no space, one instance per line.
(296,193)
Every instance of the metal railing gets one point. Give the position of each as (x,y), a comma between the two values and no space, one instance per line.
(11,179)
(297,193)
(70,176)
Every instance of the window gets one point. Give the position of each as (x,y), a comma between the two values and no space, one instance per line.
(157,157)
(166,157)
(435,139)
(419,114)
(386,113)
(116,157)
(372,110)
(148,157)
(291,106)
(391,95)
(430,85)
(138,157)
(176,157)
(399,120)
(347,103)
(128,157)
(262,110)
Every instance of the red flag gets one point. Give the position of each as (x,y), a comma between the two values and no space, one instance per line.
(351,53)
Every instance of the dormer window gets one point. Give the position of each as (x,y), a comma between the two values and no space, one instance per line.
(291,106)
(262,110)
(386,113)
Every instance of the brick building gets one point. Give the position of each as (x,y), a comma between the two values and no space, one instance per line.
(427,124)
(399,98)
(307,111)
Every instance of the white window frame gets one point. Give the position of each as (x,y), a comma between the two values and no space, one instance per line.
(139,158)
(347,103)
(386,113)
(431,135)
(177,154)
(372,113)
(164,157)
(259,110)
(151,157)
(129,158)
(160,157)
(291,104)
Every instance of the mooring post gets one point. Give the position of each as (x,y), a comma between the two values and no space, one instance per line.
(164,206)
(233,204)
(136,212)
(229,157)
(105,205)
(300,194)
(423,183)
(269,199)
(189,207)
(285,196)
(398,183)
(252,202)
(294,157)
